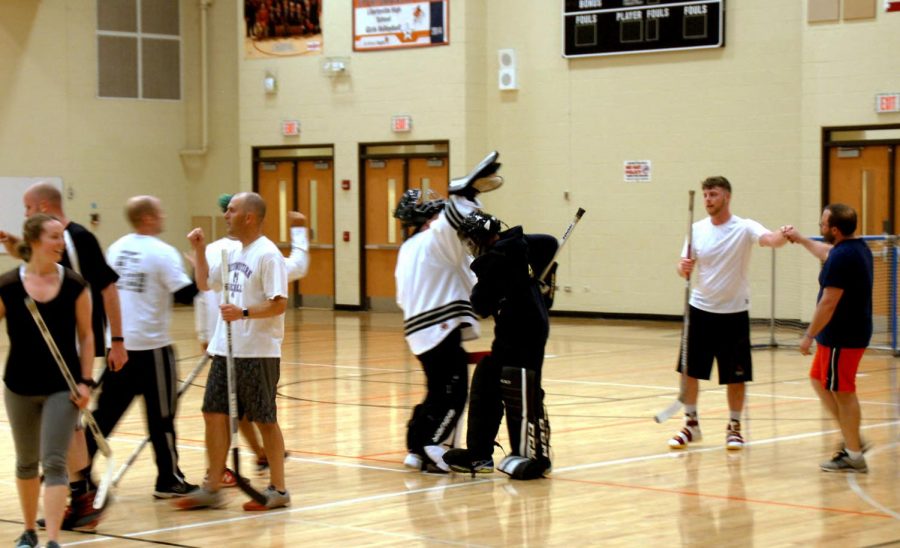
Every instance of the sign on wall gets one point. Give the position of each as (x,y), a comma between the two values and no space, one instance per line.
(615,27)
(392,24)
(637,171)
(282,28)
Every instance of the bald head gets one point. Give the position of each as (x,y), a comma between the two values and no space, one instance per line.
(245,215)
(42,197)
(145,214)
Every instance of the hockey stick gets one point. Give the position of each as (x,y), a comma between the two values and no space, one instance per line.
(565,238)
(185,384)
(102,445)
(673,407)
(232,397)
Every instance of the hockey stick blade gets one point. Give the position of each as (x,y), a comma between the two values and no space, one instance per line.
(668,412)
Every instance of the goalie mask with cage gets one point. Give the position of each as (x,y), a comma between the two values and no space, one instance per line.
(477,232)
(417,208)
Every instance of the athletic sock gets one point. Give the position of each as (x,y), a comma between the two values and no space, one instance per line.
(735,415)
(690,411)
(855,455)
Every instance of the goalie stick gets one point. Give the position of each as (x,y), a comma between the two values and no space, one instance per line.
(578,215)
(102,445)
(675,406)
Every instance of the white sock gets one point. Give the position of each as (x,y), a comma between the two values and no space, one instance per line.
(690,411)
(735,415)
(855,455)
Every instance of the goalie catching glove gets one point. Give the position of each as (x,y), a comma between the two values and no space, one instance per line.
(483,178)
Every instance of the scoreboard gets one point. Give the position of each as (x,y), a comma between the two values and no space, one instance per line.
(615,27)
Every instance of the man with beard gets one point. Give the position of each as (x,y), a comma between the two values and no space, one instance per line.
(841,326)
(719,319)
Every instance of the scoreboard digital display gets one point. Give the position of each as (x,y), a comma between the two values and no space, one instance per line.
(616,27)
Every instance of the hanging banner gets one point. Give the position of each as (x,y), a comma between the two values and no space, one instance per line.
(392,24)
(282,29)
(891,5)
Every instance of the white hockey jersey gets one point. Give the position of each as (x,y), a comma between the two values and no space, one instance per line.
(434,281)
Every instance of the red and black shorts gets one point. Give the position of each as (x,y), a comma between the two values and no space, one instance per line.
(836,367)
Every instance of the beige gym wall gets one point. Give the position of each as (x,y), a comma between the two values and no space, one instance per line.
(53,124)
(752,111)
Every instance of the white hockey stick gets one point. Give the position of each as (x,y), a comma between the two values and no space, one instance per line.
(102,445)
(675,406)
(185,384)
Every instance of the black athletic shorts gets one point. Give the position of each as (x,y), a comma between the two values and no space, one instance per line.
(725,337)
(255,382)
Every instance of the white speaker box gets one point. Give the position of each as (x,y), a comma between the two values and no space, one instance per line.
(506,75)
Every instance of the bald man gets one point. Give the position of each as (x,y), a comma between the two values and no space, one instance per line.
(151,277)
(257,297)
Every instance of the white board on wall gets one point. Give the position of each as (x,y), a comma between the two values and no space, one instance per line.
(12,211)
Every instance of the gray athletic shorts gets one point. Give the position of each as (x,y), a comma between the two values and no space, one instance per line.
(255,382)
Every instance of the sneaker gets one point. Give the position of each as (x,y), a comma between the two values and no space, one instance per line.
(689,434)
(274,499)
(228,479)
(178,489)
(200,498)
(841,462)
(413,461)
(434,462)
(52,544)
(733,439)
(28,539)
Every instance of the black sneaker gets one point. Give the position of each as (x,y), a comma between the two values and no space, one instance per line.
(28,539)
(176,490)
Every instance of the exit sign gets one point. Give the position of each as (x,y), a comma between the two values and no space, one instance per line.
(290,128)
(401,124)
(887,102)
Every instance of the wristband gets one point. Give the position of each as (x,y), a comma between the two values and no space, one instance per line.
(89,382)
(117,339)
(246,312)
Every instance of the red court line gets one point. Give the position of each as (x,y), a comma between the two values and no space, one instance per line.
(728,497)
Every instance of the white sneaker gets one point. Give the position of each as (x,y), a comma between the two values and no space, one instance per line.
(435,453)
(689,434)
(733,439)
(413,461)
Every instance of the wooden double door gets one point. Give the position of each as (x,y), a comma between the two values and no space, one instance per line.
(307,186)
(385,180)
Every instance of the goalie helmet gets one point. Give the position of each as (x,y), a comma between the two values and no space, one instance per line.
(477,231)
(415,210)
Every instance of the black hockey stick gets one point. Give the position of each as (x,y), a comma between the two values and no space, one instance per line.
(578,215)
(673,407)
(102,445)
(185,384)
(232,398)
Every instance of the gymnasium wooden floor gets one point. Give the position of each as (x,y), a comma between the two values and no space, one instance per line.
(348,383)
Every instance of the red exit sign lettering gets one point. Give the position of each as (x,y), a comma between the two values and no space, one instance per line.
(401,124)
(887,102)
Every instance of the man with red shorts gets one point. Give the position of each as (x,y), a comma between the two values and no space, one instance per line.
(841,326)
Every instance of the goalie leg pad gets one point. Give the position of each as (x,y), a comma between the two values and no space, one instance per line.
(523,468)
(447,377)
(529,429)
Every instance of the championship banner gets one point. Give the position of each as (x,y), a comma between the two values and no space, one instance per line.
(391,24)
(282,28)
(891,5)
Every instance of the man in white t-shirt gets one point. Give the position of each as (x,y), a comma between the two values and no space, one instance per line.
(719,319)
(206,309)
(151,276)
(257,300)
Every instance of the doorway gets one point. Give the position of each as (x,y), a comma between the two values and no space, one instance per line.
(388,170)
(301,179)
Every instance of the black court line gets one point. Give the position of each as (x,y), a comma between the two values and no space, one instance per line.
(888,543)
(119,537)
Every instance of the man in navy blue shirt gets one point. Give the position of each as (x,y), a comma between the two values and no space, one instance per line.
(841,326)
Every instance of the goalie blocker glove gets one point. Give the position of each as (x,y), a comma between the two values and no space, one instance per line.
(483,178)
